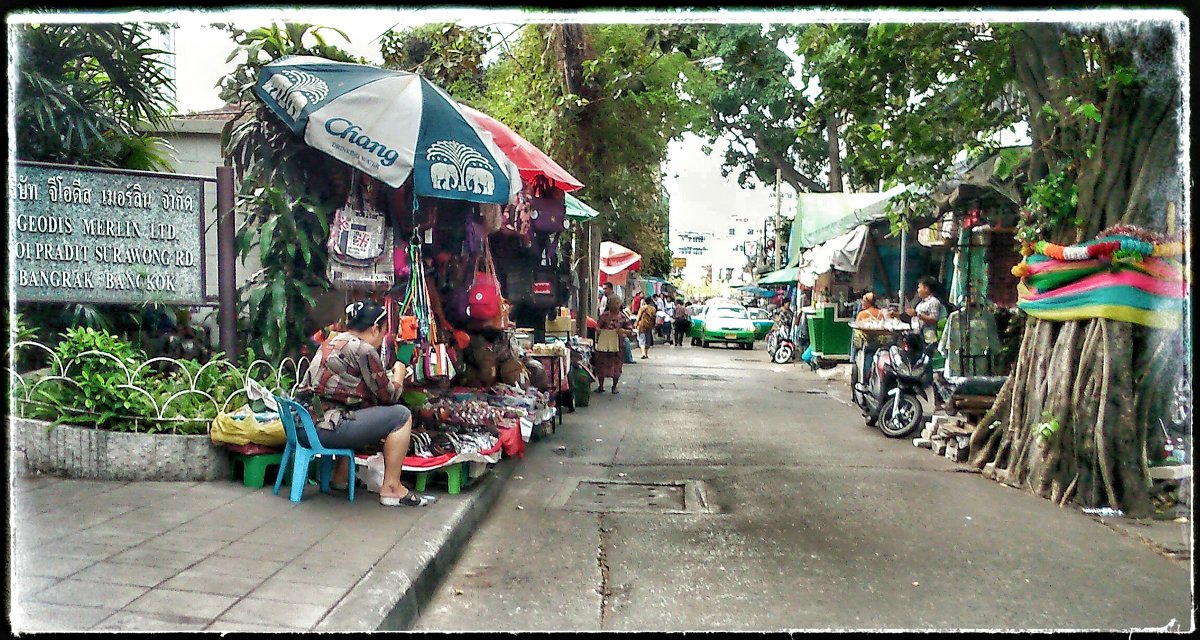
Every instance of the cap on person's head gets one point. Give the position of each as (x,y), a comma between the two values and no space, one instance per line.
(364,314)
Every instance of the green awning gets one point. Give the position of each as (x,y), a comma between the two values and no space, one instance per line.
(579,211)
(821,216)
(782,276)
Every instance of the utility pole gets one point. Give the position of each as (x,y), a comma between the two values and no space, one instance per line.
(778,220)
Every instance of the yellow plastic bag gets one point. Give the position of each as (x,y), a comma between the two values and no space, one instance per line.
(227,429)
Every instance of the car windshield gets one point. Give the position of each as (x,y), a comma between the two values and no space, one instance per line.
(728,312)
(758,314)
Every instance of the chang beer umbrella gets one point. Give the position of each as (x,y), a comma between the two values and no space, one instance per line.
(389,125)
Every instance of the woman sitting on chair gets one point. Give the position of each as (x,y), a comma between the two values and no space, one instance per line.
(355,402)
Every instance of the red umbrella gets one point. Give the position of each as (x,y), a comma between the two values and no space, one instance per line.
(529,159)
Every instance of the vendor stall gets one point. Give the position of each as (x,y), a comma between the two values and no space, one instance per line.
(835,271)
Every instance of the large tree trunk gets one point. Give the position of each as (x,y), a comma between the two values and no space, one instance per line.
(835,153)
(1108,384)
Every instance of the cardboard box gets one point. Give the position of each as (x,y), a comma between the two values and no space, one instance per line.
(560,325)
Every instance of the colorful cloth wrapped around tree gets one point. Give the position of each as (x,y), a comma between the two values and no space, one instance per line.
(1116,276)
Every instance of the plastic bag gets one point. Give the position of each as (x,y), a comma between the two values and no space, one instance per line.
(239,430)
(371,471)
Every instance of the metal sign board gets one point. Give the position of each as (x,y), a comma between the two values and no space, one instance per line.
(678,263)
(82,234)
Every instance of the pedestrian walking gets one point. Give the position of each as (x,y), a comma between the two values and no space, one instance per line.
(611,327)
(646,317)
(682,319)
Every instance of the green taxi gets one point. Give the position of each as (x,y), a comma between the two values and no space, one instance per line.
(730,324)
(762,322)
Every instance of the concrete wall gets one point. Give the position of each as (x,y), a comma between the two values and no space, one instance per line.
(93,454)
(196,145)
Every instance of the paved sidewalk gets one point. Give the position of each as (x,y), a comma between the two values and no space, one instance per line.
(217,556)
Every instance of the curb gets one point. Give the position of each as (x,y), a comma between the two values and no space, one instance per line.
(391,595)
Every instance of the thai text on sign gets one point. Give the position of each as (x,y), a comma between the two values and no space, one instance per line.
(94,235)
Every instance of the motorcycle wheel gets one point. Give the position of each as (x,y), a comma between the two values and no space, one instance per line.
(901,416)
(783,354)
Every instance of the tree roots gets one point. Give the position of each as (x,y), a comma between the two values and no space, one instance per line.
(1106,384)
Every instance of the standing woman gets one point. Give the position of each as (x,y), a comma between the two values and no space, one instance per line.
(612,325)
(355,402)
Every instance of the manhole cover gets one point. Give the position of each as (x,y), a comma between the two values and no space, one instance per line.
(606,496)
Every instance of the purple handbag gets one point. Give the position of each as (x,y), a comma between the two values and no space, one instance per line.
(549,207)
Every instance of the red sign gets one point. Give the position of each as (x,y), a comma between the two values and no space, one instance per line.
(543,288)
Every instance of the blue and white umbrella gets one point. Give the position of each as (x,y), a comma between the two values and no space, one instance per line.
(389,124)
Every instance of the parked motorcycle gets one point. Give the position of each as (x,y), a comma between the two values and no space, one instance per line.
(888,396)
(780,346)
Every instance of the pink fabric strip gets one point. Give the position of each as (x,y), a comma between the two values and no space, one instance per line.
(1172,289)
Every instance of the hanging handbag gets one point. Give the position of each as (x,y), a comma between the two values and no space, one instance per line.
(356,236)
(360,244)
(483,299)
(549,207)
(400,264)
(493,217)
(374,276)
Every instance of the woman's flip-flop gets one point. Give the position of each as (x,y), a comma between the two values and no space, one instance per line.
(410,499)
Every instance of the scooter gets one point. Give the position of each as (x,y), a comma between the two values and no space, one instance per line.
(779,346)
(888,397)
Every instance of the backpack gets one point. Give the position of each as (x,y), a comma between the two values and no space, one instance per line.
(680,312)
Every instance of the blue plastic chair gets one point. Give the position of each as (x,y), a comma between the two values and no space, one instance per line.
(301,456)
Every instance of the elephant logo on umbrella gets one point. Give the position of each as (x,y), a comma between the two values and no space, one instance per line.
(295,90)
(462,168)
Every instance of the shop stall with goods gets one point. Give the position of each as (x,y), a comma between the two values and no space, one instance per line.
(464,243)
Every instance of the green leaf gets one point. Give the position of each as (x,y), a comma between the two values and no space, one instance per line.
(1088,110)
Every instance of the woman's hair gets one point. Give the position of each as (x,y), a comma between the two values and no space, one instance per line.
(931,284)
(615,303)
(363,315)
(869,298)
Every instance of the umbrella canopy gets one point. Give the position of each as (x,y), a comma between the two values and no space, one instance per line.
(757,291)
(530,160)
(615,258)
(389,125)
(577,210)
(783,276)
